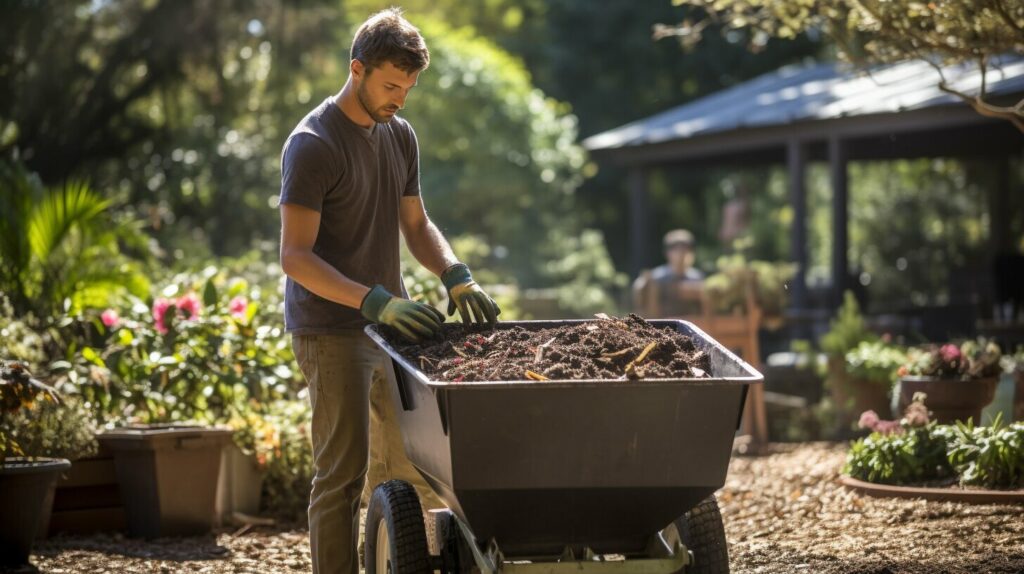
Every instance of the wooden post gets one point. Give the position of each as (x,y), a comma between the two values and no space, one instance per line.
(796,159)
(837,163)
(639,220)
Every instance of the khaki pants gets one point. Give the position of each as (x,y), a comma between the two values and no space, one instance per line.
(350,383)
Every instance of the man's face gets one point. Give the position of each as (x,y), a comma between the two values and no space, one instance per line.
(680,257)
(382,93)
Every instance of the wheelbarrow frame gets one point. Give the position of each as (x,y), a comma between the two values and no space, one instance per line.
(453,431)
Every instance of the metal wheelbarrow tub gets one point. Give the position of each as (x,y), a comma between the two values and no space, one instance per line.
(602,464)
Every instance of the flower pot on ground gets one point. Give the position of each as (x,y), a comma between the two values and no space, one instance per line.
(26,483)
(167,475)
(26,494)
(950,400)
(240,485)
(958,380)
(861,380)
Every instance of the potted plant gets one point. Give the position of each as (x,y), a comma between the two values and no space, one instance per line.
(959,380)
(58,430)
(851,393)
(870,374)
(25,482)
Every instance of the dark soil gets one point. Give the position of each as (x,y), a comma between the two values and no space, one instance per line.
(606,348)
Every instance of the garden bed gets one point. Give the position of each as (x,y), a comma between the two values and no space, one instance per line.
(783,513)
(606,348)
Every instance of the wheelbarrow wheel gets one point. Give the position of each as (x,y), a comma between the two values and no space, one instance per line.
(396,540)
(702,531)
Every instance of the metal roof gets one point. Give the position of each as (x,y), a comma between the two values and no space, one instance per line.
(812,93)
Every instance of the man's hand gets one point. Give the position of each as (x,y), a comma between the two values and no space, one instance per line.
(465,295)
(414,321)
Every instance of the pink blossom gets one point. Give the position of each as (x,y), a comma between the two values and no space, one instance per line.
(160,307)
(950,353)
(868,420)
(888,427)
(189,303)
(238,306)
(110,318)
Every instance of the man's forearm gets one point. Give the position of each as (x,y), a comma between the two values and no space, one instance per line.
(428,245)
(321,278)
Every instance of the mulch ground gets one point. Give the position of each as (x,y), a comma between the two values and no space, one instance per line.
(783,513)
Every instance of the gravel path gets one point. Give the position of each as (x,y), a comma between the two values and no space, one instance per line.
(783,513)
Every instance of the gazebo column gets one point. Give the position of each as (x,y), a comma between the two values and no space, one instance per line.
(639,220)
(796,159)
(837,161)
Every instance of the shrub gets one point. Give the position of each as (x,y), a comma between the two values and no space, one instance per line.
(973,359)
(847,330)
(875,361)
(914,456)
(186,356)
(991,456)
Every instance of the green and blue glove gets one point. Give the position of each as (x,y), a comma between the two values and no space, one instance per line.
(414,321)
(466,296)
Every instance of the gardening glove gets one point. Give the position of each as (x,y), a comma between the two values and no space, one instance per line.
(414,321)
(467,296)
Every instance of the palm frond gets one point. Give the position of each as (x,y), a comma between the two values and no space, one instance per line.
(59,213)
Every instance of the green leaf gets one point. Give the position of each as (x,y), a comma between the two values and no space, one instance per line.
(89,354)
(210,293)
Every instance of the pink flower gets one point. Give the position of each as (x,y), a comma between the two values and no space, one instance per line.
(110,318)
(950,353)
(888,427)
(868,420)
(160,307)
(189,303)
(238,306)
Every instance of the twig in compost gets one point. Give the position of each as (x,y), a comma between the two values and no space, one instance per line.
(536,376)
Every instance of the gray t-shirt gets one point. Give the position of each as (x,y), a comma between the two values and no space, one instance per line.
(355,178)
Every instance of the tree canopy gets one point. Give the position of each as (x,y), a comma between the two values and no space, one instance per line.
(941,32)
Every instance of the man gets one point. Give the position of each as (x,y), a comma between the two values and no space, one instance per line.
(672,289)
(350,184)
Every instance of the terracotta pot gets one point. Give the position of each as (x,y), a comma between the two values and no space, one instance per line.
(950,400)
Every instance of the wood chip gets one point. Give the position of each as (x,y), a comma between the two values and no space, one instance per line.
(539,354)
(536,376)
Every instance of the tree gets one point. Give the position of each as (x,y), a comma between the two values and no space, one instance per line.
(940,32)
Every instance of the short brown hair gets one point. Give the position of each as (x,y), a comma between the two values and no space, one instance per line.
(388,37)
(678,238)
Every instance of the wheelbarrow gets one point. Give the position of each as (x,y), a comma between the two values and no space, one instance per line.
(591,476)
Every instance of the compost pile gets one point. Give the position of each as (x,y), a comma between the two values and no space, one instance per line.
(606,348)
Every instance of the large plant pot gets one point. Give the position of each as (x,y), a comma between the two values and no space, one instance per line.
(26,495)
(167,476)
(950,400)
(853,395)
(240,485)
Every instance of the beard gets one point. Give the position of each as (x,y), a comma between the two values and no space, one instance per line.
(379,114)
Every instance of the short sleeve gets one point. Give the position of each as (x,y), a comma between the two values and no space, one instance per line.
(306,168)
(412,184)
